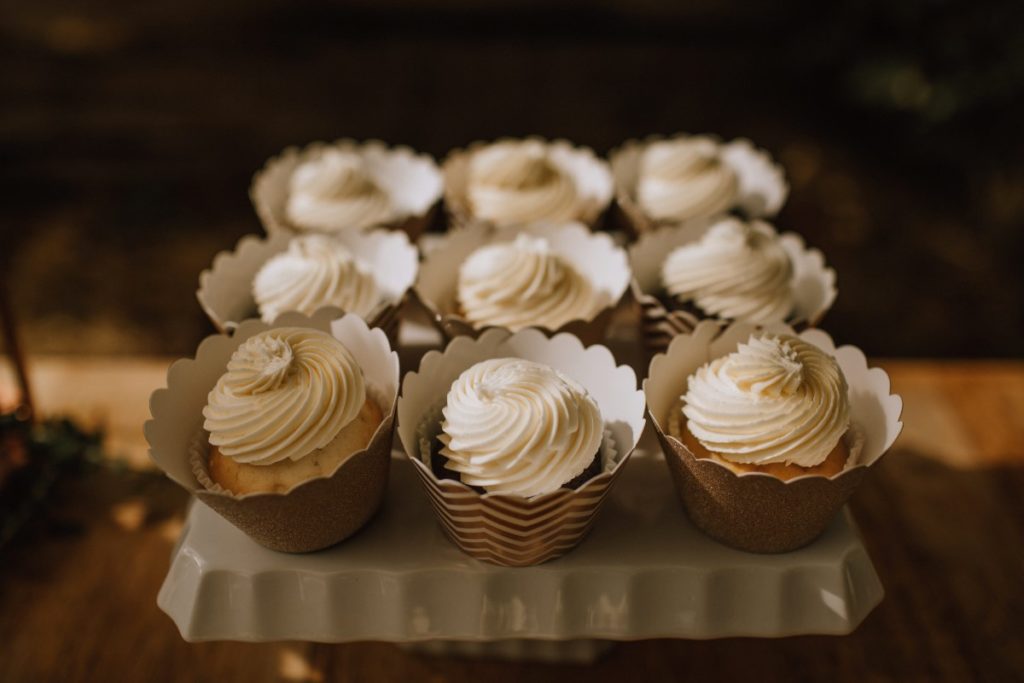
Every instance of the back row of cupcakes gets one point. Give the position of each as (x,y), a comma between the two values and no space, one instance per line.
(655,182)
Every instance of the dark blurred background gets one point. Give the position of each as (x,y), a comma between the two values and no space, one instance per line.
(129,132)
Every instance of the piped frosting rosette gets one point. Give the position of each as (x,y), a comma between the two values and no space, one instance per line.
(347,186)
(366,273)
(514,426)
(558,278)
(286,393)
(492,409)
(726,269)
(670,181)
(518,181)
(762,396)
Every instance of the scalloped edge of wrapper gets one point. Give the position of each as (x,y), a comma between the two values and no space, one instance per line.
(593,255)
(762,192)
(225,288)
(317,513)
(506,529)
(755,511)
(411,177)
(814,283)
(591,173)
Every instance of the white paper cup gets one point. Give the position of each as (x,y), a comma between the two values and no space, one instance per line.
(225,288)
(508,529)
(813,283)
(762,183)
(756,511)
(314,514)
(593,255)
(413,182)
(590,174)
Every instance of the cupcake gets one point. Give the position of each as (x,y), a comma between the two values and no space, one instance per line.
(670,181)
(766,432)
(365,273)
(552,277)
(347,186)
(726,269)
(283,430)
(517,439)
(514,182)
(291,406)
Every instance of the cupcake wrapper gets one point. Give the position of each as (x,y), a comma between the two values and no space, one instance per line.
(415,176)
(314,514)
(762,183)
(225,289)
(592,177)
(506,529)
(754,511)
(512,530)
(593,255)
(814,283)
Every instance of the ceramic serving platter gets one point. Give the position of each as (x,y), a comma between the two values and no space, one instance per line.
(644,571)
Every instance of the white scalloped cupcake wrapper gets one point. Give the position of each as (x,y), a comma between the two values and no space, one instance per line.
(814,283)
(762,183)
(593,255)
(590,173)
(413,181)
(225,289)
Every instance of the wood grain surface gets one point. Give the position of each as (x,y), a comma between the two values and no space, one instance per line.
(942,517)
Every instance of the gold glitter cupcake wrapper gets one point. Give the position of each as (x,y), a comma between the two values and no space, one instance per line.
(314,514)
(755,511)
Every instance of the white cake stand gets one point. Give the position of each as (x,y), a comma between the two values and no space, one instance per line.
(643,572)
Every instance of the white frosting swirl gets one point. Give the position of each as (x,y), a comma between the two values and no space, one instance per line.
(519,427)
(736,271)
(522,284)
(685,178)
(335,192)
(776,399)
(286,393)
(517,182)
(314,271)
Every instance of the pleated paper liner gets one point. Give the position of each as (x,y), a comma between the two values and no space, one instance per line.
(314,514)
(813,282)
(507,529)
(225,289)
(755,511)
(762,183)
(591,175)
(413,181)
(595,256)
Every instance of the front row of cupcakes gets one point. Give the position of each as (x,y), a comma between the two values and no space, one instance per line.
(286,429)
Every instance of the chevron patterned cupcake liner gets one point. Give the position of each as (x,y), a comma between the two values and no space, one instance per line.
(507,529)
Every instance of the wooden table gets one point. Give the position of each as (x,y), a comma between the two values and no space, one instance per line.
(942,516)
